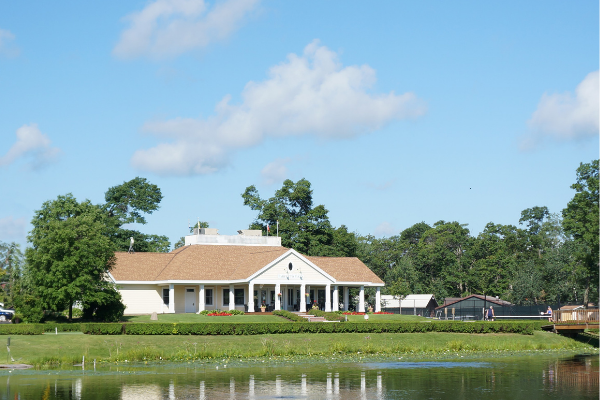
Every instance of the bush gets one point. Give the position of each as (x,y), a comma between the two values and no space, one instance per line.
(29,309)
(289,315)
(249,328)
(106,306)
(21,329)
(329,316)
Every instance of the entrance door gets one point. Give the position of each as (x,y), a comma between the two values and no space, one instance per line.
(190,300)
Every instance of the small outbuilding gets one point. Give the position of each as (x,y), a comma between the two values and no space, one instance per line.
(413,304)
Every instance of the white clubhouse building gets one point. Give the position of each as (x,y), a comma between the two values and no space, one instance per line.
(244,272)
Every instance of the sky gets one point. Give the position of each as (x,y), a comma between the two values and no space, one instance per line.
(397,112)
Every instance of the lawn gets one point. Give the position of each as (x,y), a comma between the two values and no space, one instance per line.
(185,318)
(388,318)
(68,348)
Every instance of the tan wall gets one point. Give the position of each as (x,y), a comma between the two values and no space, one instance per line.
(280,271)
(142,299)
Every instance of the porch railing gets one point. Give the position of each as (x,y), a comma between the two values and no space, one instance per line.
(582,316)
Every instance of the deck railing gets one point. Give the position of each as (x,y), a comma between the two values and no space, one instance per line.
(581,316)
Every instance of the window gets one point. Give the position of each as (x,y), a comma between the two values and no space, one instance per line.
(238,297)
(290,296)
(166,297)
(225,297)
(208,297)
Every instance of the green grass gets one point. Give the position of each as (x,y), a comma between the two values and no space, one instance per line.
(387,317)
(68,348)
(185,318)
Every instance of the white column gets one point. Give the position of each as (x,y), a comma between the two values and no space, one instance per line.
(336,298)
(171,298)
(361,300)
(378,299)
(231,297)
(328,298)
(201,298)
(251,297)
(303,298)
(346,297)
(277,297)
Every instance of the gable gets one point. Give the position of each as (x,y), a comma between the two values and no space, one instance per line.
(301,270)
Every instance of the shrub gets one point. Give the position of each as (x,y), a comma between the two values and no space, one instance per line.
(289,315)
(29,308)
(329,316)
(105,306)
(21,329)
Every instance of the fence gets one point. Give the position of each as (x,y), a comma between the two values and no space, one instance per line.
(474,310)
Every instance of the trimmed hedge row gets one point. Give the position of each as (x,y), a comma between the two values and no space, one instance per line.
(329,316)
(305,327)
(21,329)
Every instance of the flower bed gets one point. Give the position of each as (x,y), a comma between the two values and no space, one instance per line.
(353,313)
(383,312)
(219,314)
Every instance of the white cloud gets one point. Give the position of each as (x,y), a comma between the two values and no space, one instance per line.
(385,229)
(12,229)
(6,46)
(275,171)
(33,144)
(166,28)
(309,94)
(564,116)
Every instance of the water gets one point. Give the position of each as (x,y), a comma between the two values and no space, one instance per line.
(525,377)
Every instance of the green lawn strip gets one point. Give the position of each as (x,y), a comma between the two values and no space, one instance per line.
(188,318)
(62,349)
(387,317)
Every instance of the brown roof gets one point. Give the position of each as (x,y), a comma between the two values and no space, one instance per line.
(345,269)
(216,263)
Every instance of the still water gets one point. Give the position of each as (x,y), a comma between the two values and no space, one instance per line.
(524,377)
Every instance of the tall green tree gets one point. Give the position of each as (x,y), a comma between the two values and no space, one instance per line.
(70,254)
(128,203)
(302,225)
(11,266)
(580,220)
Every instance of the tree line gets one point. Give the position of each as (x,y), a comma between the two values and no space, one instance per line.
(547,258)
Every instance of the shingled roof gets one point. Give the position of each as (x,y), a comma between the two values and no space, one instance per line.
(225,263)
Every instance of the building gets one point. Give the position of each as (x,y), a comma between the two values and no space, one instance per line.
(243,272)
(471,307)
(413,304)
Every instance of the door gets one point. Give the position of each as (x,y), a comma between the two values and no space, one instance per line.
(190,300)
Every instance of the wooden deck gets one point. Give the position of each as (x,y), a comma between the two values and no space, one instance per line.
(571,322)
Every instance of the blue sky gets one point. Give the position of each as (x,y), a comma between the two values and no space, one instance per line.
(396,112)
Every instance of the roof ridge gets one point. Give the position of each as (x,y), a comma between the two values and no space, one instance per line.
(172,258)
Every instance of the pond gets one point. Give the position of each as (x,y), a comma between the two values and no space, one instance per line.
(543,376)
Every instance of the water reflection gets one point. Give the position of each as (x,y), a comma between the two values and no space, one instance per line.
(523,377)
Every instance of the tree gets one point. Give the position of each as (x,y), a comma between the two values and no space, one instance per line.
(126,204)
(580,220)
(70,254)
(11,265)
(302,226)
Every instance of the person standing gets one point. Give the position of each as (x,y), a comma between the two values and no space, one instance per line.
(490,313)
(549,312)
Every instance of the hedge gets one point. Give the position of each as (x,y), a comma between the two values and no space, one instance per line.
(289,315)
(329,316)
(21,329)
(526,328)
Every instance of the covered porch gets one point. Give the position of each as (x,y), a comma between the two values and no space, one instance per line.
(196,297)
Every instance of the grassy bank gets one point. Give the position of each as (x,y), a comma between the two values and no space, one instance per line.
(68,348)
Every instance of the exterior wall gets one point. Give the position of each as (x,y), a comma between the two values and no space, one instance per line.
(142,299)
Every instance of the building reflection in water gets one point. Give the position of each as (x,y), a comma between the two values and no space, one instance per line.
(577,373)
(258,389)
